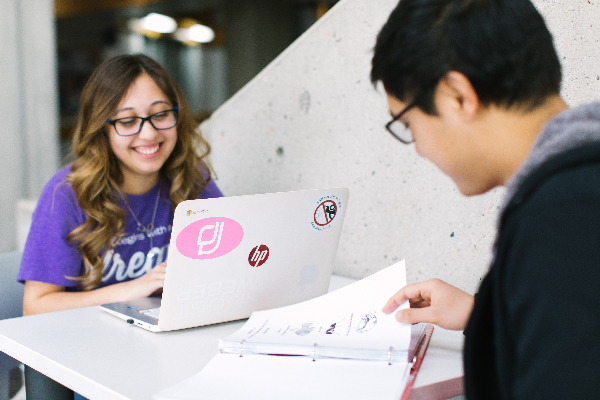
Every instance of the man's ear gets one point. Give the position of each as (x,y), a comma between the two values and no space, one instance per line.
(457,92)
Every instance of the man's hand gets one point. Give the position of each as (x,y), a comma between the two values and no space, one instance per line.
(435,302)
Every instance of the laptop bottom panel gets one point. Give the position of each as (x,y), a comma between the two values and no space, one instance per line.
(138,312)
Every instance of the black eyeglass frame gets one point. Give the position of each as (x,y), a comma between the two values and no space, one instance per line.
(144,119)
(396,118)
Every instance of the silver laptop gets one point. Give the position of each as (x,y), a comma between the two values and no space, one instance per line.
(231,256)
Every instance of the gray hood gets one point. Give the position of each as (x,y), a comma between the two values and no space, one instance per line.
(572,128)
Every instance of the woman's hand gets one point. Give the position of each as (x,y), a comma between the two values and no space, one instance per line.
(41,297)
(151,282)
(435,302)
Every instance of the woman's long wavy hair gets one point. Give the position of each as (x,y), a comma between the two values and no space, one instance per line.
(96,175)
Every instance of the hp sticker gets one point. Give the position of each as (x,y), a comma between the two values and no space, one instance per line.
(258,255)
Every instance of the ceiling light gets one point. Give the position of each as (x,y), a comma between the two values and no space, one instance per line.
(195,33)
(201,33)
(157,23)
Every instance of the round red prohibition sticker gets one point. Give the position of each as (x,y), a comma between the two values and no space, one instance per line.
(258,255)
(324,215)
(325,212)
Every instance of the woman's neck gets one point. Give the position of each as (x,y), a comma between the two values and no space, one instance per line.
(137,185)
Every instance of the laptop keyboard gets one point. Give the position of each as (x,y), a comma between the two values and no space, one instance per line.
(151,312)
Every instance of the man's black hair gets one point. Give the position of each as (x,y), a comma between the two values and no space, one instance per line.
(502,46)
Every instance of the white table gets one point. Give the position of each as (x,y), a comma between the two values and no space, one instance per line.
(102,357)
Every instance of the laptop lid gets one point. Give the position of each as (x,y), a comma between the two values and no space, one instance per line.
(231,256)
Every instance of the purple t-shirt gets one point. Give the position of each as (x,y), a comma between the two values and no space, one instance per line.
(48,256)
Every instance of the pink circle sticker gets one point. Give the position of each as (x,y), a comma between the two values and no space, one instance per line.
(209,238)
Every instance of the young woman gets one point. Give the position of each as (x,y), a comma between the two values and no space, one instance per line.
(101,229)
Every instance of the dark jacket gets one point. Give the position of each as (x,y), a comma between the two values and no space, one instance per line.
(535,329)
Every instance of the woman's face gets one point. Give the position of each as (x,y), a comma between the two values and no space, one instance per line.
(141,156)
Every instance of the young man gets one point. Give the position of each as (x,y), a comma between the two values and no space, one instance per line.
(475,85)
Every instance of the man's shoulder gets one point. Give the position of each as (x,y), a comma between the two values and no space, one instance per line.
(566,175)
(573,183)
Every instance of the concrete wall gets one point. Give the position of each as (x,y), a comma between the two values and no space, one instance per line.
(312,119)
(28,106)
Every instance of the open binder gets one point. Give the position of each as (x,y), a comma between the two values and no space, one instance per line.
(417,360)
(339,345)
(419,337)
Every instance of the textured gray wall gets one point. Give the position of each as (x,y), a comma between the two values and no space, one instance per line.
(28,106)
(311,119)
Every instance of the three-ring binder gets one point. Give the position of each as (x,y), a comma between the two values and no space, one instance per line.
(313,353)
(241,344)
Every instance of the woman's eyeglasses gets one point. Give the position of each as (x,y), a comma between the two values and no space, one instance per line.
(130,126)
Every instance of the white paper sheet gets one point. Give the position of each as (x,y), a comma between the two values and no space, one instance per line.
(229,376)
(348,317)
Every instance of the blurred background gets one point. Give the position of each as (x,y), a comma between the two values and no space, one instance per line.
(211,47)
(311,120)
(50,47)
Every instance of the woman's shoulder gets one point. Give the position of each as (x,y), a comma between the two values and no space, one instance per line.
(58,189)
(210,188)
(60,177)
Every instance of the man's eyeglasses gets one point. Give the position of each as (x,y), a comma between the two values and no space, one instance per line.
(130,126)
(399,129)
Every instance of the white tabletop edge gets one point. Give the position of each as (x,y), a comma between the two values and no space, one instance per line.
(444,346)
(68,377)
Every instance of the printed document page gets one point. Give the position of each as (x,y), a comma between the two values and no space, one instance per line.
(348,317)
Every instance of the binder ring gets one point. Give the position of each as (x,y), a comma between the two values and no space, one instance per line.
(241,344)
(389,355)
(314,350)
